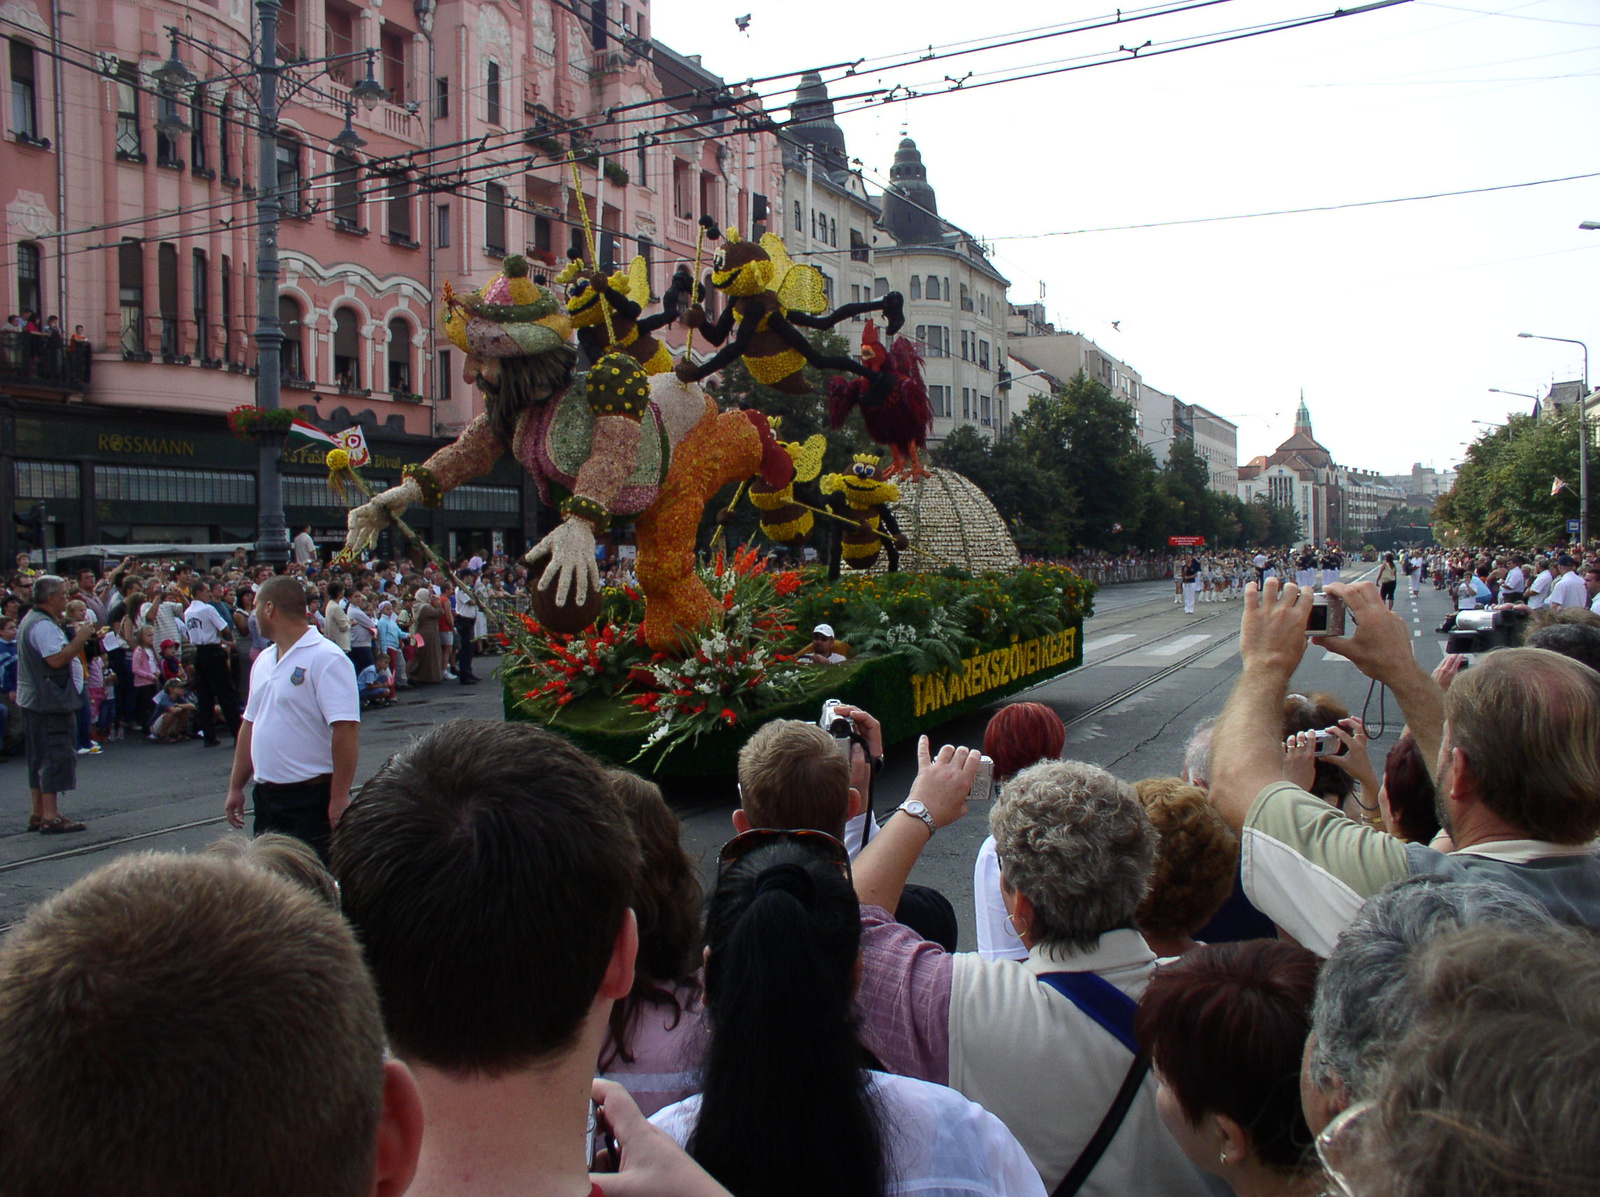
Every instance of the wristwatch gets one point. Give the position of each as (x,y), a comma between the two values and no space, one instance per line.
(915,806)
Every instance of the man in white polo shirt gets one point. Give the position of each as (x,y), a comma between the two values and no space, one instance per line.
(1569,590)
(213,680)
(302,728)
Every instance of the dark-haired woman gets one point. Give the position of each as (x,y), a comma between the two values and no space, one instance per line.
(789,1108)
(1225,1027)
(657,1041)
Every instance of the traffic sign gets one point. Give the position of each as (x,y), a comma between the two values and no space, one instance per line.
(1574,527)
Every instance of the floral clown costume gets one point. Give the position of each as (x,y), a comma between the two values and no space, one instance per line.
(651,449)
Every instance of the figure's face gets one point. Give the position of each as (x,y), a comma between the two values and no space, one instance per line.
(476,369)
(742,268)
(583,301)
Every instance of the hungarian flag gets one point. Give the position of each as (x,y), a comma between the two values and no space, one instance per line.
(311,432)
(1557,486)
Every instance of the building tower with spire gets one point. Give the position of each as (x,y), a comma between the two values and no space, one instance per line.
(910,207)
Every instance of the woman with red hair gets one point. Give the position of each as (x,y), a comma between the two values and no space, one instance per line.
(1019,735)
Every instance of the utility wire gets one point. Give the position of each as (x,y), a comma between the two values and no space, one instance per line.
(1403,199)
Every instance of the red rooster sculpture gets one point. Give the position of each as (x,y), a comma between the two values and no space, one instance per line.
(897,414)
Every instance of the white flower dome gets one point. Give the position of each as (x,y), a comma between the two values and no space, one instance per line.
(948,517)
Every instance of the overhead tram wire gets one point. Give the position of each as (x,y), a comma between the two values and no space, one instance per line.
(761,126)
(609,117)
(1141,55)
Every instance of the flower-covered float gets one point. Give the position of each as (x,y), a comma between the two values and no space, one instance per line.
(677,672)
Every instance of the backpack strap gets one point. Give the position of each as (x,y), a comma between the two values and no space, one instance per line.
(1114,1011)
(1100,1000)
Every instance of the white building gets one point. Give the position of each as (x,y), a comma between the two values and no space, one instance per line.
(1215,438)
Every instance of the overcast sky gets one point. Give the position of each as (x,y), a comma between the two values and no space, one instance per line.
(1396,320)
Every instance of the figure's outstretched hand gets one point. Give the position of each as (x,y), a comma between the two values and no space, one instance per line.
(379,512)
(572,568)
(686,371)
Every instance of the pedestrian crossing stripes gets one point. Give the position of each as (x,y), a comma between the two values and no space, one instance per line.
(1173,647)
(1095,643)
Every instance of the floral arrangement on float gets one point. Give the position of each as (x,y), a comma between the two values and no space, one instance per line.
(912,640)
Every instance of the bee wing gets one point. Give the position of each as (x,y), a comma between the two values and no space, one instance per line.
(639,281)
(808,458)
(802,290)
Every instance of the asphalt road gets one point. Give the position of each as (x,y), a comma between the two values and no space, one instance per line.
(1150,674)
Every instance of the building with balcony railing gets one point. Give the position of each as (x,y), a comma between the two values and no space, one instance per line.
(131,211)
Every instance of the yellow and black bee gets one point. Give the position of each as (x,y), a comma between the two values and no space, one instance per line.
(589,292)
(770,296)
(866,499)
(783,519)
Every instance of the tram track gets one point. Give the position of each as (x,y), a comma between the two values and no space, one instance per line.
(1092,712)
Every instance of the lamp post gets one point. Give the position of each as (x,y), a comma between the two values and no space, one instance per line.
(272,535)
(1583,434)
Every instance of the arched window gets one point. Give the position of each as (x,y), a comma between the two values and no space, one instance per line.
(346,349)
(30,296)
(933,286)
(291,358)
(916,286)
(399,357)
(346,195)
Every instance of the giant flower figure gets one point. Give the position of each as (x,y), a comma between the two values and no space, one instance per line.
(649,449)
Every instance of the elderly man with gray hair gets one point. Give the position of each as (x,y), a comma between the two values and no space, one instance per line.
(49,696)
(1513,746)
(1366,995)
(1046,1044)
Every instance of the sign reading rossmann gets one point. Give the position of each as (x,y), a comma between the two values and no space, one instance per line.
(1189,542)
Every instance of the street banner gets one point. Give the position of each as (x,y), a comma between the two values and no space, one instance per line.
(1188,542)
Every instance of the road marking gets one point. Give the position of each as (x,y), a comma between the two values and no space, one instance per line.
(1097,642)
(1174,647)
(1217,656)
(1417,633)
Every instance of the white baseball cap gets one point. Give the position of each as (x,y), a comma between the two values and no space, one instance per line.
(823,629)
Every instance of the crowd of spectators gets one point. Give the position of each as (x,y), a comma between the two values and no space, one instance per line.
(1275,972)
(1475,579)
(142,675)
(32,347)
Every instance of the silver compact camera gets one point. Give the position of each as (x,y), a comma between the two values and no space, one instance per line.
(1327,616)
(840,727)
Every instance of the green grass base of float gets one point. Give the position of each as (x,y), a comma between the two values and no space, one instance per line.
(613,730)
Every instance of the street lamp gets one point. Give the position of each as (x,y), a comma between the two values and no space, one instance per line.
(369,91)
(1520,394)
(1583,433)
(348,139)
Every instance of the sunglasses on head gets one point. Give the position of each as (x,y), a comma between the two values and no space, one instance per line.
(820,842)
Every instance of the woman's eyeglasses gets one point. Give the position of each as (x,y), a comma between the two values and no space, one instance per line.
(820,842)
(1340,1147)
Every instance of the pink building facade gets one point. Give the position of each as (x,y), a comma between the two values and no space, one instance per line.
(145,234)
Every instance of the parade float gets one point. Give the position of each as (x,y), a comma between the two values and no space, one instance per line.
(919,578)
